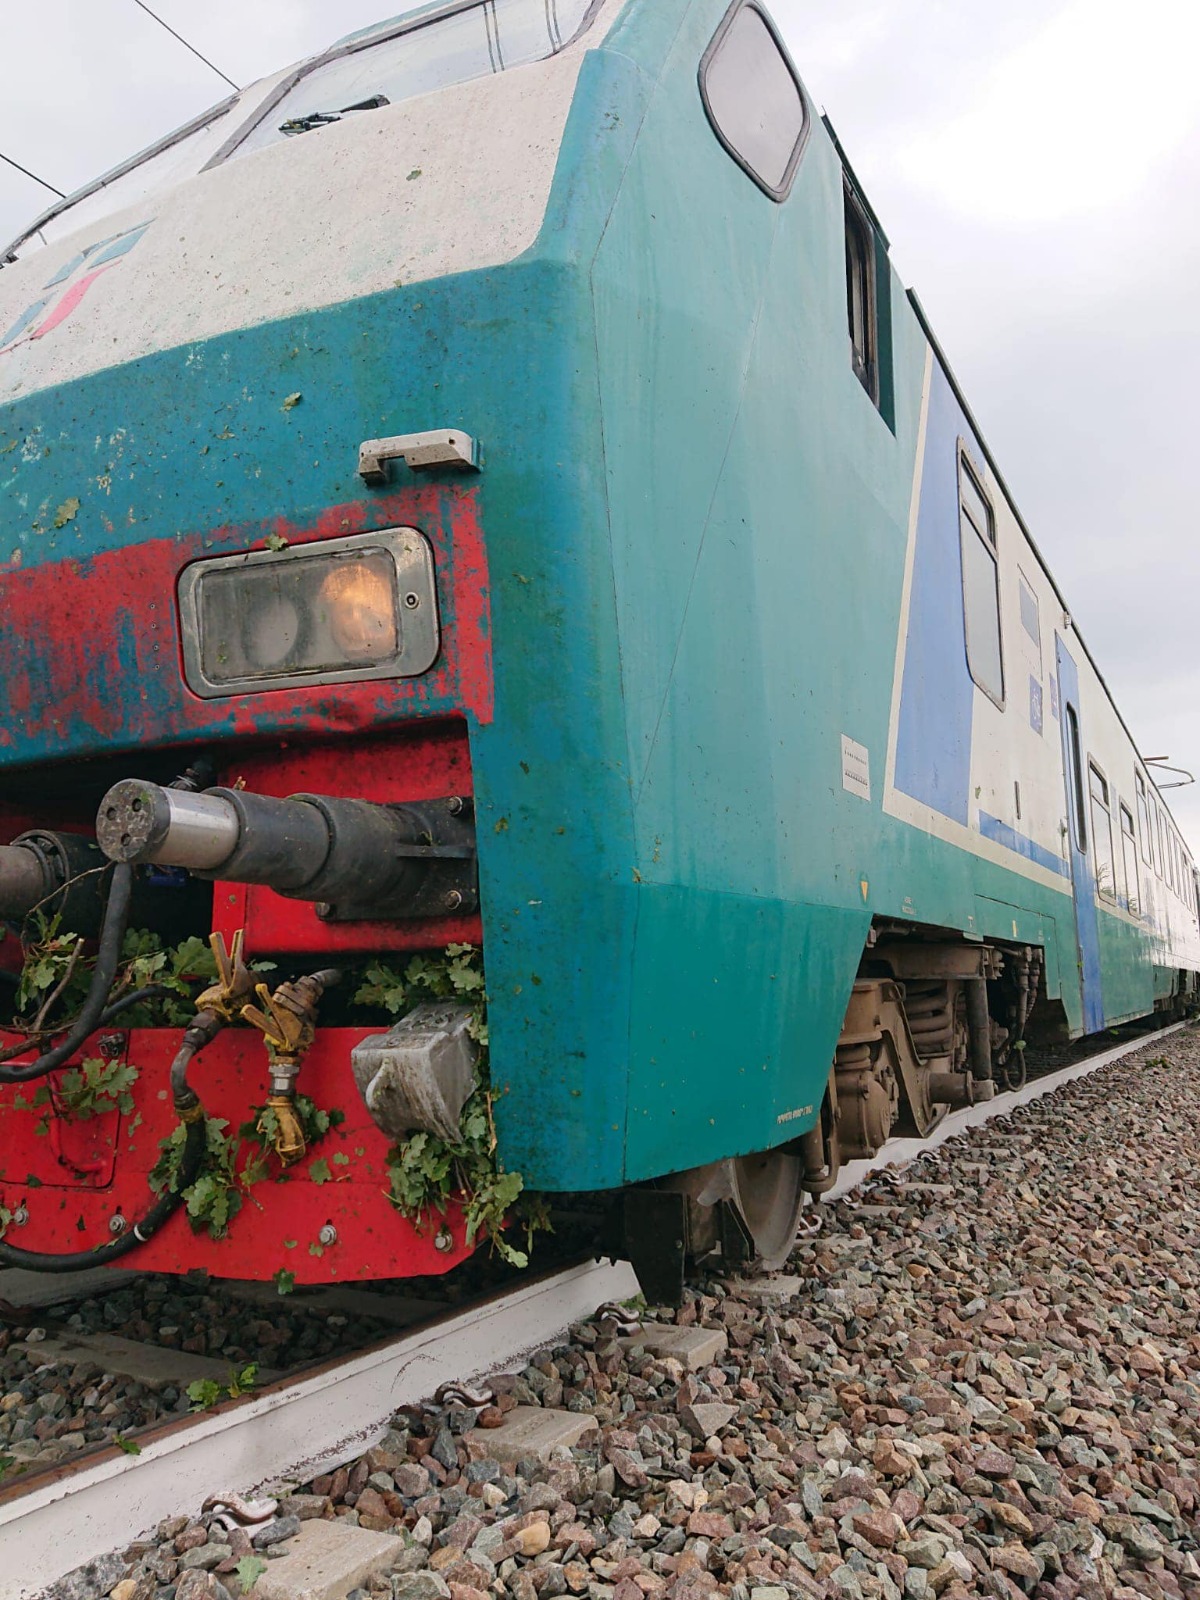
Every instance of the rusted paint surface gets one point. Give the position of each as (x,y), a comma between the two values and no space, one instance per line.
(108,676)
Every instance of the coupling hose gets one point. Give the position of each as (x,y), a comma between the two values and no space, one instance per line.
(108,959)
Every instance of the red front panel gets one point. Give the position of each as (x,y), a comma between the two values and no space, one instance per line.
(108,679)
(109,675)
(73,1181)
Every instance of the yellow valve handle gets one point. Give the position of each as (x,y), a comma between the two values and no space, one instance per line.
(280,1028)
(234,981)
(288,1137)
(285,1020)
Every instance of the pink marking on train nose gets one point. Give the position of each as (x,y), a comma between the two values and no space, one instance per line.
(69,301)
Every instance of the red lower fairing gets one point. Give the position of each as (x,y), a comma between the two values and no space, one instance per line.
(72,1178)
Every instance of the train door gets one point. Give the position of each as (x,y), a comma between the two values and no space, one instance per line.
(1087,930)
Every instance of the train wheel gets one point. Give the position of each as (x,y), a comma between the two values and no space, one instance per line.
(767,1191)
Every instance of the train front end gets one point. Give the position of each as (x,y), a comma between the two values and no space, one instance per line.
(286,432)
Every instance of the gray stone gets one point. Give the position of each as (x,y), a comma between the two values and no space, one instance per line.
(423,1585)
(532,1431)
(275,1532)
(703,1419)
(87,1582)
(205,1557)
(928,1551)
(413,1558)
(195,1585)
(325,1560)
(693,1348)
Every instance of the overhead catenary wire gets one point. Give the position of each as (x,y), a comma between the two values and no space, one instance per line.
(211,65)
(32,175)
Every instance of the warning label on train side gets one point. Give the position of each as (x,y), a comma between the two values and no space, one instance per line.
(856,768)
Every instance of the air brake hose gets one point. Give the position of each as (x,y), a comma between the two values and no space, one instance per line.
(191,1115)
(108,959)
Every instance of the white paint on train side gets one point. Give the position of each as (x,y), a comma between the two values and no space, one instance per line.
(1016,772)
(446,183)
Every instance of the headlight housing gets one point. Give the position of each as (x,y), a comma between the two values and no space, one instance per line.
(335,611)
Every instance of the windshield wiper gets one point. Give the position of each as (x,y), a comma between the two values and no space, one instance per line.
(318,119)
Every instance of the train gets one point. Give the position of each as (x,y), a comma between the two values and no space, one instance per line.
(524,685)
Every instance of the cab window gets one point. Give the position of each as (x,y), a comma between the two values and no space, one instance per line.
(421,56)
(753,98)
(450,44)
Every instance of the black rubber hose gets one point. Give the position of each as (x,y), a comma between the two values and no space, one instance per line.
(141,1231)
(153,991)
(108,959)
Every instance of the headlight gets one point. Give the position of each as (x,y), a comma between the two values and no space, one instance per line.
(362,610)
(338,611)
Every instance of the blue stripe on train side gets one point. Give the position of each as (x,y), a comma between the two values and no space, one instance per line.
(1086,924)
(992,828)
(933,740)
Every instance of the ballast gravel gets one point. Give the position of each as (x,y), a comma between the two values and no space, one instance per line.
(50,1410)
(987,1382)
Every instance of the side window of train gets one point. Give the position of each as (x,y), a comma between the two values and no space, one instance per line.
(1076,775)
(1133,893)
(868,302)
(1143,818)
(1160,865)
(860,295)
(1031,616)
(753,98)
(981,583)
(1106,871)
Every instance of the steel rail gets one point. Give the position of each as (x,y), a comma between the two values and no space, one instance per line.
(62,1518)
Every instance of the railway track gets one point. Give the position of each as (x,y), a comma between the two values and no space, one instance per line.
(55,1520)
(1048,1070)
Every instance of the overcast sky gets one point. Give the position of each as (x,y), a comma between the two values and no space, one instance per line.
(1036,164)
